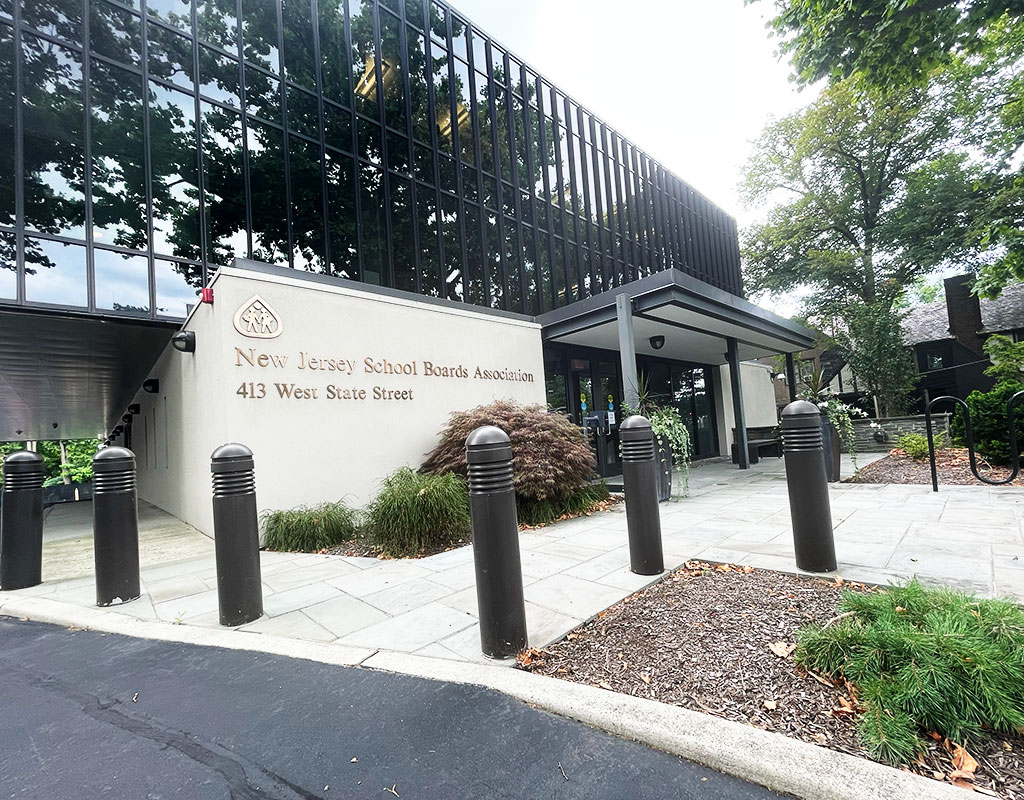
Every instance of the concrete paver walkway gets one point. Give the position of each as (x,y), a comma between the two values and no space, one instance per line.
(965,536)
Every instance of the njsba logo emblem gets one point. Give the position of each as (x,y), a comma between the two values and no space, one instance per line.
(257,320)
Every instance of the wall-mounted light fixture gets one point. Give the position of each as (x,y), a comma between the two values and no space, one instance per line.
(151,386)
(657,342)
(134,408)
(185,341)
(127,419)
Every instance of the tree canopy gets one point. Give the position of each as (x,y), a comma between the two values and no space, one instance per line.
(868,189)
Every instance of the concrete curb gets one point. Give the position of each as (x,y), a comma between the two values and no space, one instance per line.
(769,759)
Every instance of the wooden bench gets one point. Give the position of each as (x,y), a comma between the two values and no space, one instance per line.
(755,448)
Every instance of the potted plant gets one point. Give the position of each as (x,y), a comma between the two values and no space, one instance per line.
(675,447)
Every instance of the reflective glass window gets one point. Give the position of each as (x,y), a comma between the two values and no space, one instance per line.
(172,148)
(459,32)
(218,23)
(175,12)
(60,18)
(119,211)
(403,245)
(54,154)
(373,245)
(303,113)
(224,180)
(338,127)
(483,121)
(493,248)
(115,32)
(530,269)
(391,71)
(262,95)
(341,195)
(427,231)
(299,43)
(543,270)
(414,13)
(369,146)
(442,100)
(170,57)
(308,236)
(333,52)
(55,273)
(364,60)
(7,206)
(462,88)
(266,186)
(513,266)
(454,286)
(473,290)
(398,152)
(438,26)
(469,184)
(8,265)
(416,48)
(423,163)
(176,287)
(122,282)
(219,77)
(259,34)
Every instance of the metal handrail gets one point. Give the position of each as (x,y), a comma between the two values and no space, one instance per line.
(1010,425)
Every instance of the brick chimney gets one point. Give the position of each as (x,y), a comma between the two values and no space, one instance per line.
(964,313)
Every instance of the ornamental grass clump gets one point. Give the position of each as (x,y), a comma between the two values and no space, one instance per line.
(550,458)
(308,529)
(414,512)
(923,660)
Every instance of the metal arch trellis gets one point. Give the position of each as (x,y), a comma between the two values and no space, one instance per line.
(1011,427)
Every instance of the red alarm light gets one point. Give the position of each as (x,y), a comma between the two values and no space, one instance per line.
(206,294)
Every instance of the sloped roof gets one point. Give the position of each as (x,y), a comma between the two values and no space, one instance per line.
(1006,312)
(930,322)
(926,323)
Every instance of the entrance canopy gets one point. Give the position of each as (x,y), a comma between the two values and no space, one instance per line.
(696,319)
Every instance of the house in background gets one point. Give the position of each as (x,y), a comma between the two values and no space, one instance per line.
(948,337)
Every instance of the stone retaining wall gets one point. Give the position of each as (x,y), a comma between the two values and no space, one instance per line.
(894,428)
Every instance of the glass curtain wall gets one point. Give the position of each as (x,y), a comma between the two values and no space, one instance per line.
(386,141)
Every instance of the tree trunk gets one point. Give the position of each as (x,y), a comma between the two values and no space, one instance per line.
(64,462)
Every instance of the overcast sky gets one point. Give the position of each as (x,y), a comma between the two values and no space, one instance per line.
(692,82)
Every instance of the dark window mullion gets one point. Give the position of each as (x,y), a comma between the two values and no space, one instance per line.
(356,171)
(19,160)
(385,179)
(600,251)
(456,155)
(570,148)
(428,66)
(524,143)
(90,263)
(198,132)
(630,271)
(413,217)
(474,111)
(328,266)
(597,280)
(536,306)
(556,116)
(542,104)
(618,273)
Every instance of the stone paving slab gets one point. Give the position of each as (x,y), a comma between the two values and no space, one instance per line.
(970,537)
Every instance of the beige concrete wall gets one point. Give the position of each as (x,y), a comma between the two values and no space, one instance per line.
(320,443)
(758,400)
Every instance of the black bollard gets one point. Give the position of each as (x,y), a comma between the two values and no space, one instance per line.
(236,535)
(640,484)
(499,574)
(808,487)
(21,521)
(115,526)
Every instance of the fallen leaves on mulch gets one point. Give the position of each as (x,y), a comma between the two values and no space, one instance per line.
(718,638)
(951,463)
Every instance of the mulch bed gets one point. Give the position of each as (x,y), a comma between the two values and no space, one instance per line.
(365,548)
(952,465)
(718,638)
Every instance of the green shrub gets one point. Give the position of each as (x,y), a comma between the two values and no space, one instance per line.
(540,512)
(915,445)
(550,457)
(309,530)
(988,422)
(415,511)
(924,660)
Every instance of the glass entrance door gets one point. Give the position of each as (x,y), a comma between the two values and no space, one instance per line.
(595,408)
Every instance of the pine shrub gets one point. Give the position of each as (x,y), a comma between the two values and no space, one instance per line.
(988,422)
(550,457)
(309,530)
(414,512)
(924,660)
